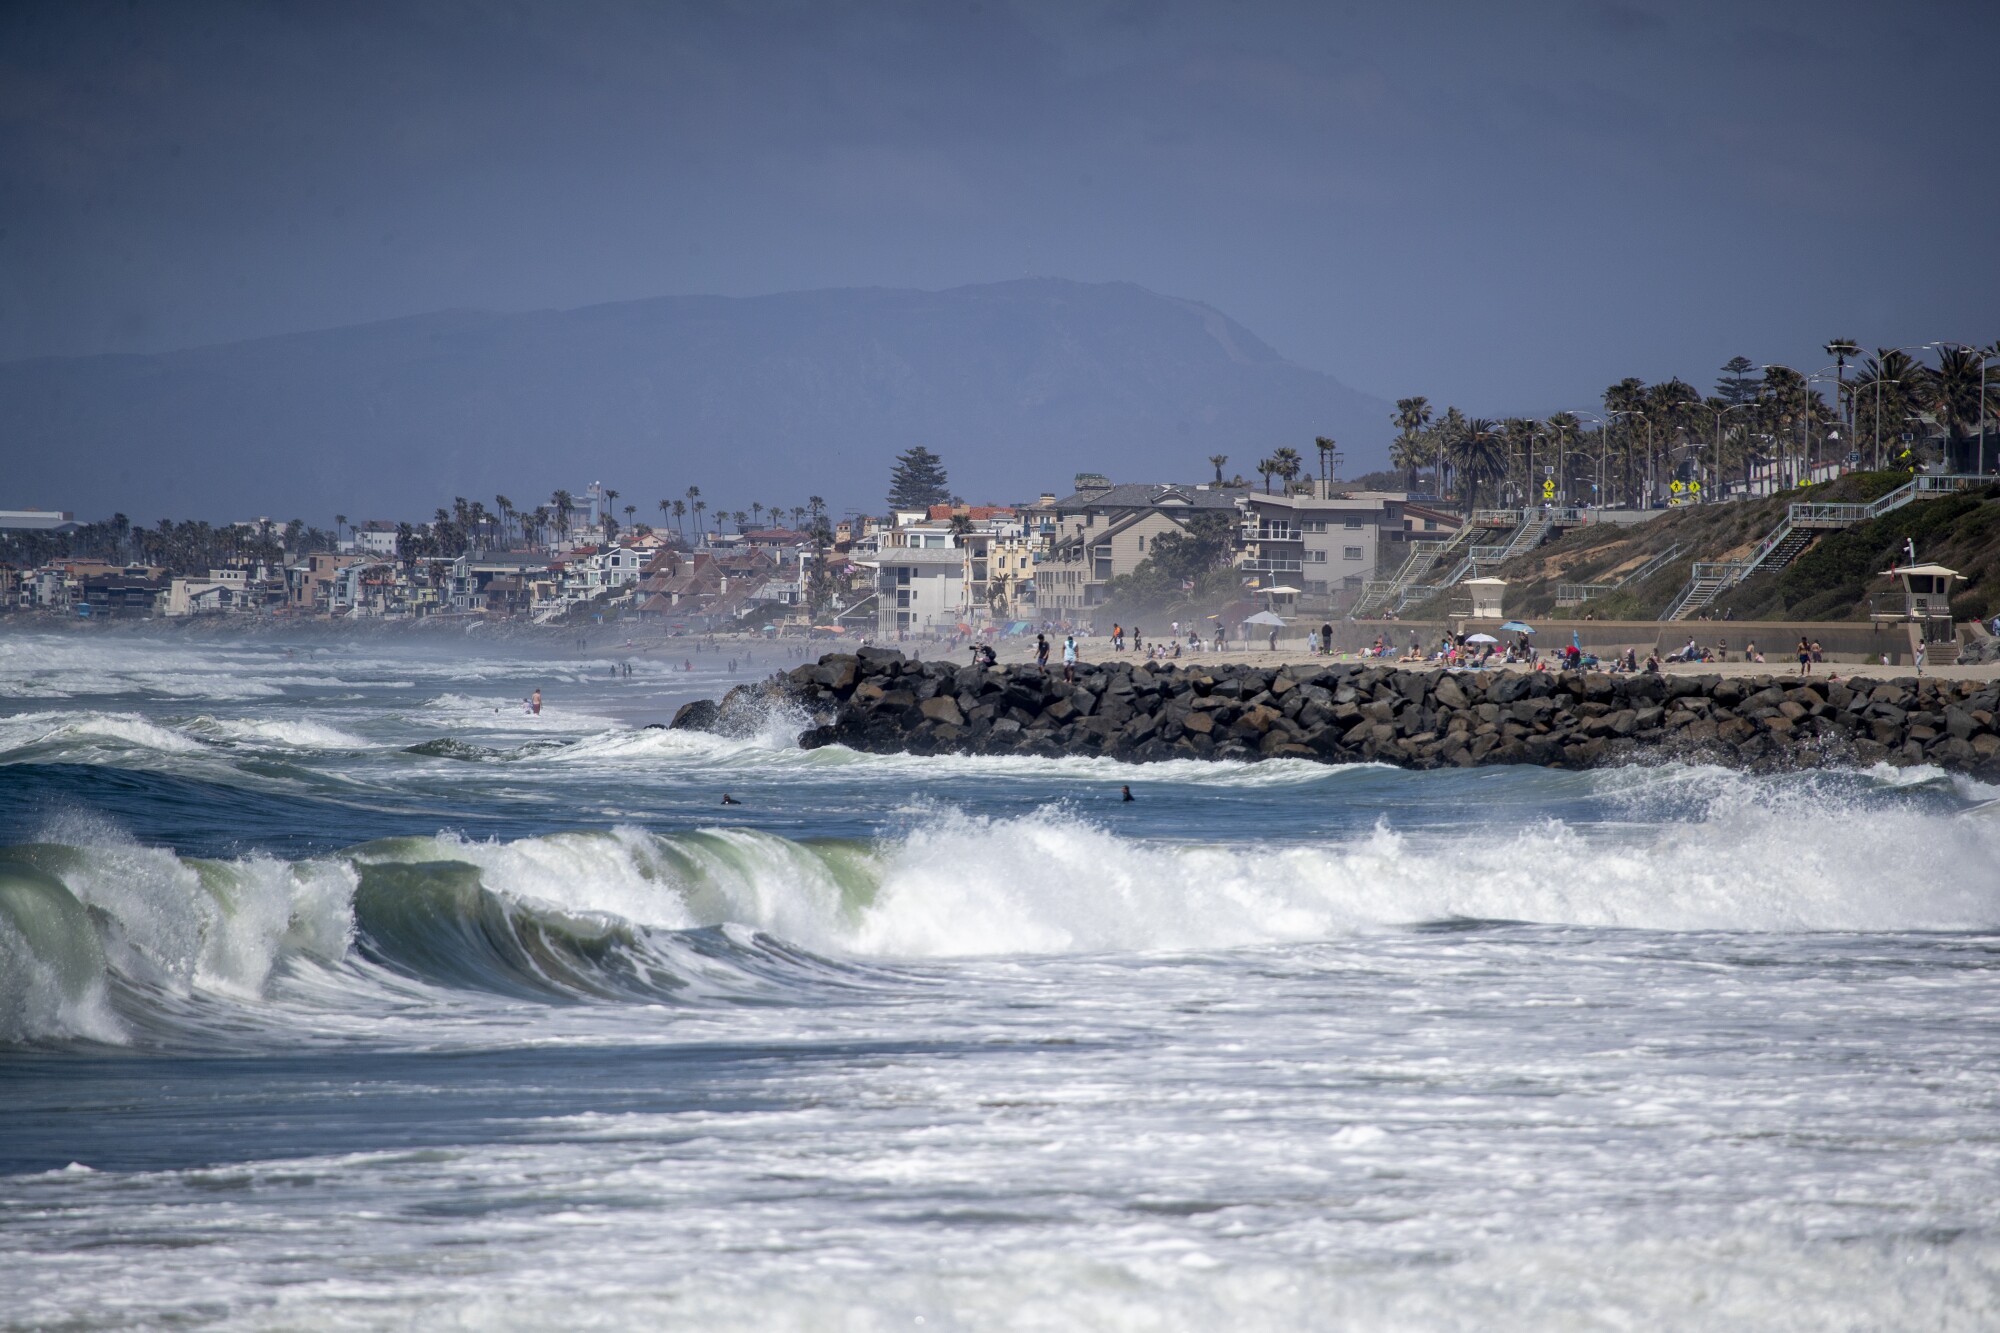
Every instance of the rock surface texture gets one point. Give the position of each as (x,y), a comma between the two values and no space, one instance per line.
(877,700)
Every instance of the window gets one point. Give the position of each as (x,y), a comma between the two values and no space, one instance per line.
(1354,522)
(1142,543)
(903,575)
(1319,557)
(1350,553)
(1314,525)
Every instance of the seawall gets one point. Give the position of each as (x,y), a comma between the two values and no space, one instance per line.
(877,700)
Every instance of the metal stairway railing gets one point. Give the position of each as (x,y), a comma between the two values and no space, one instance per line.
(1802,524)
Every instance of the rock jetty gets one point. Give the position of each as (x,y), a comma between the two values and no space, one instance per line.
(878,700)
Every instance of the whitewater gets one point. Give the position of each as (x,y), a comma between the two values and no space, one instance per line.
(338,990)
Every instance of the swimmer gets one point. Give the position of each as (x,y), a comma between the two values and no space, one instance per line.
(727,799)
(1128,792)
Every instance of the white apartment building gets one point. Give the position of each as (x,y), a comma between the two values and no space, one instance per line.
(919,590)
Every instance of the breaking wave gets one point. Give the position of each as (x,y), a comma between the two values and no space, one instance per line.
(112,942)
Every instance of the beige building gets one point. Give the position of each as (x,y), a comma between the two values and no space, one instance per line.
(1102,533)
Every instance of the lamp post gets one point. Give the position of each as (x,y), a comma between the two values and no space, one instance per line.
(1648,422)
(1720,413)
(1599,474)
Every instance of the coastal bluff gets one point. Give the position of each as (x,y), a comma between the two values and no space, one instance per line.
(880,701)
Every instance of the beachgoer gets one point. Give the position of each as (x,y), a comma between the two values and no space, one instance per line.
(1128,792)
(535,702)
(1274,638)
(727,799)
(1805,657)
(1042,653)
(1069,660)
(1326,639)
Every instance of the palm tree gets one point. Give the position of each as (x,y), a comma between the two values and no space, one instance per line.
(1327,448)
(1518,433)
(757,512)
(1290,464)
(666,511)
(1885,394)
(798,515)
(680,517)
(1840,349)
(1218,460)
(1481,455)
(741,518)
(1952,394)
(1269,467)
(630,510)
(1446,437)
(1413,416)
(699,506)
(610,509)
(565,504)
(339,522)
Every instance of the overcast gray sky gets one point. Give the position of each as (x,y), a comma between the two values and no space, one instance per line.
(1504,206)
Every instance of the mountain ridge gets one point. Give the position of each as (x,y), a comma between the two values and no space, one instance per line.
(1019,385)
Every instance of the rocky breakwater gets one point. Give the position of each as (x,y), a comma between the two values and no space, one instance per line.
(878,700)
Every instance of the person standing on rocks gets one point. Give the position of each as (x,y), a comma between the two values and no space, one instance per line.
(1042,652)
(1069,660)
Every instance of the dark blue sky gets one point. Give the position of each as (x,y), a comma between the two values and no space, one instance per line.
(1504,206)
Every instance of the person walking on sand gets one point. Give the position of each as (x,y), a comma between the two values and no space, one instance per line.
(1069,660)
(1326,639)
(1805,657)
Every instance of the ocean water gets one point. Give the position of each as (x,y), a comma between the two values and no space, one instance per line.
(337,992)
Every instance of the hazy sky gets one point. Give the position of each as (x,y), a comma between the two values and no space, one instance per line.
(1504,206)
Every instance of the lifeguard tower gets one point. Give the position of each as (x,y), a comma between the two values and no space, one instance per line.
(1926,609)
(1478,599)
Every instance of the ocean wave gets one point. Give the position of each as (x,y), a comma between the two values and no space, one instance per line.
(627,913)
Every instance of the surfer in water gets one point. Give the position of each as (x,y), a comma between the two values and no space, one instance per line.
(727,799)
(1128,792)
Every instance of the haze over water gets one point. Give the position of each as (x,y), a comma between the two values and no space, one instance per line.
(304,1028)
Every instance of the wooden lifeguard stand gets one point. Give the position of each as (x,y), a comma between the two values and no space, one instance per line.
(1926,610)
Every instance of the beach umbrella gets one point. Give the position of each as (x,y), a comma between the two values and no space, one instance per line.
(1264,618)
(1516,627)
(1480,638)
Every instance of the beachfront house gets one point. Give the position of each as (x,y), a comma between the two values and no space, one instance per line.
(1102,532)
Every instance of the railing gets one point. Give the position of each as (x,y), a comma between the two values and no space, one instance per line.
(1488,554)
(1704,570)
(1828,515)
(1496,518)
(1651,567)
(1274,566)
(1573,594)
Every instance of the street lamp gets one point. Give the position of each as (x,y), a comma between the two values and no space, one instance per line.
(1720,413)
(1597,485)
(1650,479)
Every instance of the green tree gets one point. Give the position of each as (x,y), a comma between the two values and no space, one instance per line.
(1218,460)
(1289,464)
(918,480)
(1481,457)
(1737,383)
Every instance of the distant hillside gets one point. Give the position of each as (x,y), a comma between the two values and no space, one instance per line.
(1833,580)
(1018,385)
